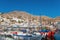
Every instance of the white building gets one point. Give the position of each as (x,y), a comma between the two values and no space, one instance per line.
(16,19)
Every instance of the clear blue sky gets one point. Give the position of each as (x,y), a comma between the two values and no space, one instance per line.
(45,7)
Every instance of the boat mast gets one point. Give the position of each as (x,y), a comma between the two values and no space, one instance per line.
(40,21)
(29,21)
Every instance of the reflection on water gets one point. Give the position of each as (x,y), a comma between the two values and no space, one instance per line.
(9,37)
(4,37)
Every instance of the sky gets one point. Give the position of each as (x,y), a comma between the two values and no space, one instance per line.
(49,8)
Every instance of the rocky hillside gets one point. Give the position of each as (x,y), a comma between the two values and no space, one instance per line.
(25,15)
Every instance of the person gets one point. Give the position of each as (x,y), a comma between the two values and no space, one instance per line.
(50,35)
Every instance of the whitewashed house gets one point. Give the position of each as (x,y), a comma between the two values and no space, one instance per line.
(16,19)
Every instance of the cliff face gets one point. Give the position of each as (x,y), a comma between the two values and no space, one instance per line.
(25,15)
